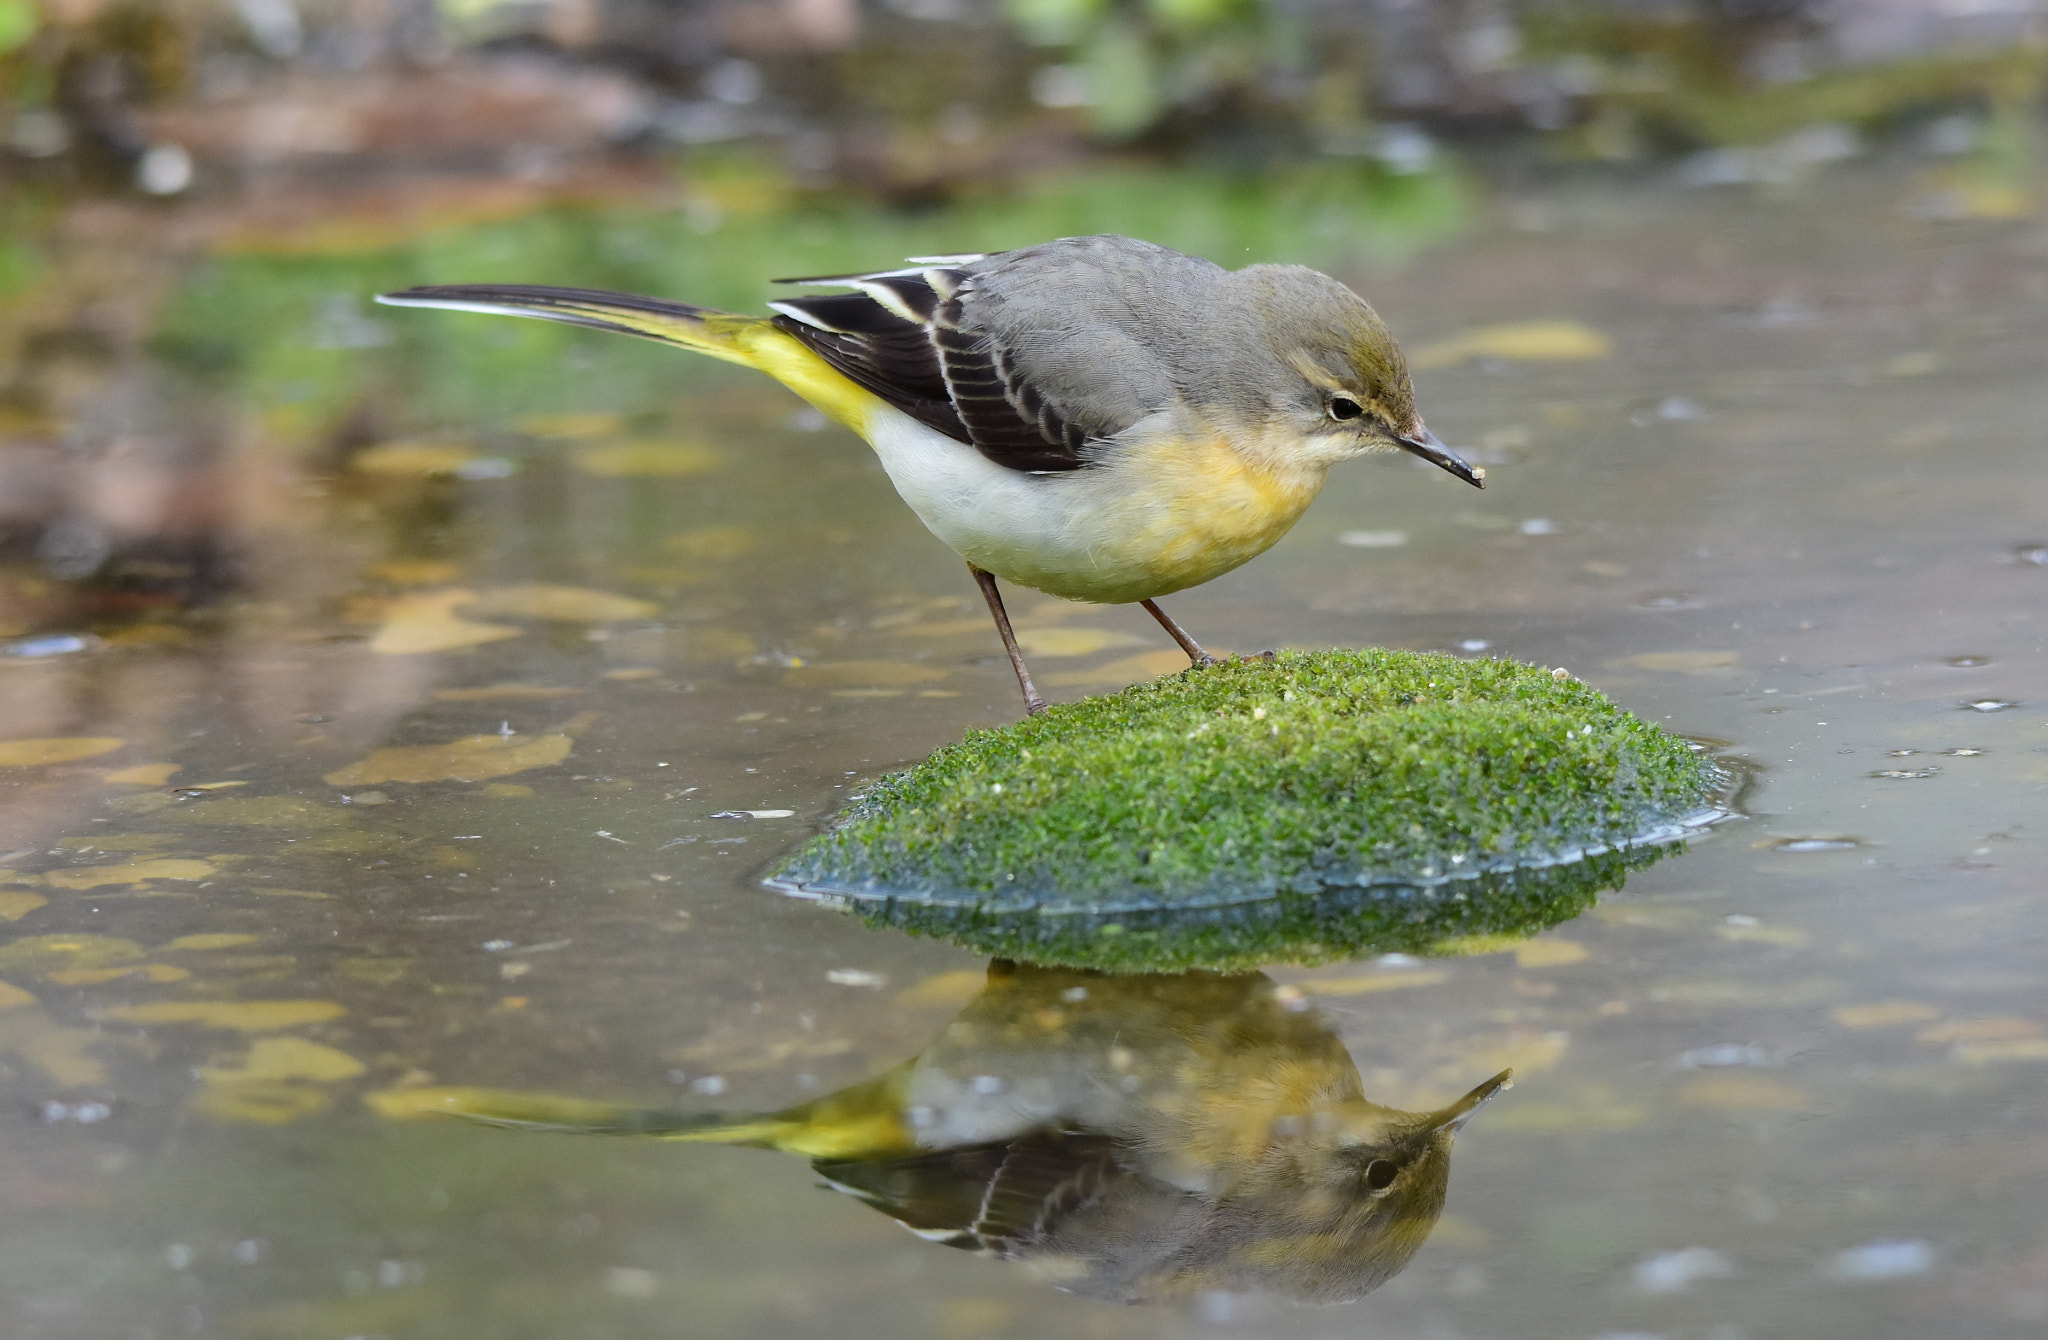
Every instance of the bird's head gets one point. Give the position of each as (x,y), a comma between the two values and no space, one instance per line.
(1341,1205)
(1339,383)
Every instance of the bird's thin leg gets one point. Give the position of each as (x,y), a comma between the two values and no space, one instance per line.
(1179,634)
(1033,704)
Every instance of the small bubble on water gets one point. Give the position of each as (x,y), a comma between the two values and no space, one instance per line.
(498,946)
(1806,844)
(1990,704)
(1722,1056)
(1963,753)
(35,648)
(1905,774)
(1474,644)
(1967,662)
(1668,600)
(2032,551)
(1675,1272)
(1900,753)
(1883,1260)
(708,1085)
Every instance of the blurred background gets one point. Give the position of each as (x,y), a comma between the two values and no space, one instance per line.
(140,136)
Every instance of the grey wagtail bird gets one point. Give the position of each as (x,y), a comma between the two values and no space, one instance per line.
(1098,418)
(1133,1138)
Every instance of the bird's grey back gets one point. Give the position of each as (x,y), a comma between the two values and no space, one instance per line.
(1110,329)
(1091,322)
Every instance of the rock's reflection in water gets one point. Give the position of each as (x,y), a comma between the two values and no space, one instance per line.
(1134,1138)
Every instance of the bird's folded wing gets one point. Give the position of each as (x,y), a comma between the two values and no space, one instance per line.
(1001,1197)
(901,335)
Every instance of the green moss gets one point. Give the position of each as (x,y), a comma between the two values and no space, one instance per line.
(1311,806)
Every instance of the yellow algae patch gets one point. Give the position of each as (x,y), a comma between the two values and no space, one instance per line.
(1650,916)
(456,1100)
(942,627)
(1473,946)
(285,1058)
(1592,1107)
(267,812)
(1056,642)
(148,635)
(714,542)
(1884,1014)
(144,774)
(473,758)
(1128,670)
(59,1053)
(1517,342)
(976,1316)
(1525,1051)
(860,674)
(141,972)
(647,459)
(210,940)
(630,674)
(414,459)
(16,905)
(261,1102)
(1709,663)
(128,873)
(137,842)
(13,997)
(1371,983)
(595,423)
(242,1016)
(1919,363)
(427,622)
(415,571)
(2016,1049)
(504,693)
(1784,937)
(1549,953)
(1742,1093)
(1994,1028)
(948,989)
(566,604)
(70,749)
(38,953)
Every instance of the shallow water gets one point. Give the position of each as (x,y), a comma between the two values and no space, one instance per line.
(1791,1083)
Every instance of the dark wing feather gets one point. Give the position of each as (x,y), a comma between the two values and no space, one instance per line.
(899,336)
(1003,1198)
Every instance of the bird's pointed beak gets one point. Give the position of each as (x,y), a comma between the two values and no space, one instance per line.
(1425,444)
(1460,1112)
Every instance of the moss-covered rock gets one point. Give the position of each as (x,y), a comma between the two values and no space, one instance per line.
(1315,805)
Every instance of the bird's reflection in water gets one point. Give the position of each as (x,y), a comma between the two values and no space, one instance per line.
(1126,1137)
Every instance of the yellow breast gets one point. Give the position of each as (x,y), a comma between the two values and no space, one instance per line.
(1198,508)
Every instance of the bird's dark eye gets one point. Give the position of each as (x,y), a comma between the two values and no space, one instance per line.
(1343,407)
(1379,1175)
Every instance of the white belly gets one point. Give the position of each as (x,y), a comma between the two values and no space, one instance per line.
(1098,534)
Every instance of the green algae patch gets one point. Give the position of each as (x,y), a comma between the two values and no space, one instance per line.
(1312,806)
